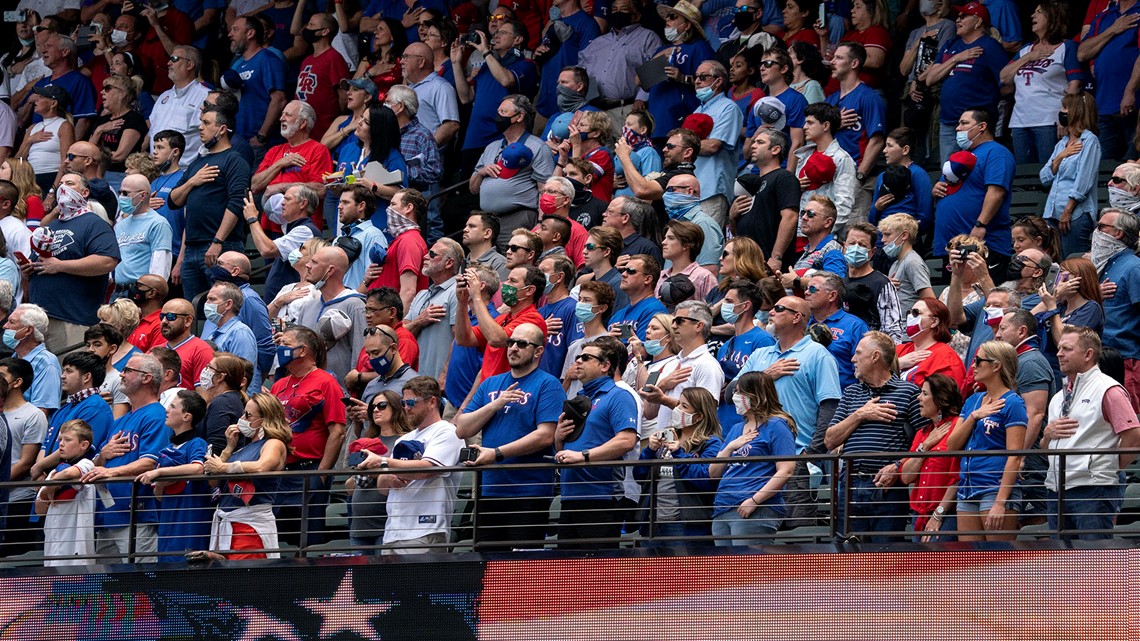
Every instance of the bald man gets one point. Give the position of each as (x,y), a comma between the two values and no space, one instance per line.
(683,202)
(807,382)
(337,315)
(85,158)
(439,104)
(177,322)
(234,267)
(144,235)
(149,292)
(321,71)
(516,411)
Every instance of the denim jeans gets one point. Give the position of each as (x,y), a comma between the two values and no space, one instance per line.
(874,509)
(195,274)
(1079,238)
(763,522)
(1115,136)
(671,528)
(945,532)
(1088,507)
(362,541)
(1033,144)
(947,144)
(287,506)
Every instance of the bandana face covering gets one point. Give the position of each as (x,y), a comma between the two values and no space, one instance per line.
(71,203)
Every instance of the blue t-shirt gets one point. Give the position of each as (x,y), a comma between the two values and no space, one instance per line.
(980,474)
(93,409)
(185,511)
(149,435)
(262,74)
(79,88)
(489,95)
(669,102)
(957,212)
(176,218)
(917,202)
(872,113)
(554,355)
(543,404)
(74,299)
(732,356)
(464,365)
(1113,65)
(583,29)
(139,237)
(973,83)
(638,314)
(743,480)
(613,411)
(1004,18)
(846,332)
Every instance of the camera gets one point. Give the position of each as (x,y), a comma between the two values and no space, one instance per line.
(471,39)
(964,250)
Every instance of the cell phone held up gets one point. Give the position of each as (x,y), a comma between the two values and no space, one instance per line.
(468,454)
(1054,278)
(651,381)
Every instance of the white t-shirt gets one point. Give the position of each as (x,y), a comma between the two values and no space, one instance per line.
(69,527)
(425,506)
(27,425)
(113,385)
(17,235)
(44,156)
(706,373)
(1038,88)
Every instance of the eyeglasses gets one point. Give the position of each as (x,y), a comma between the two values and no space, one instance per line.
(517,248)
(807,213)
(669,146)
(409,403)
(583,357)
(591,247)
(672,16)
(629,270)
(1105,227)
(124,192)
(136,371)
(170,316)
(520,343)
(380,405)
(175,58)
(372,331)
(497,17)
(1117,180)
(680,320)
(979,360)
(768,64)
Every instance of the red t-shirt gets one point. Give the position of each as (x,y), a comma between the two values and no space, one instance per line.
(406,253)
(576,247)
(195,354)
(942,360)
(937,473)
(603,185)
(409,349)
(807,35)
(312,403)
(317,85)
(318,162)
(873,37)
(495,358)
(149,332)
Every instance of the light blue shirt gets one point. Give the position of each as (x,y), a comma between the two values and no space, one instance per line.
(816,381)
(646,161)
(45,391)
(714,235)
(1076,178)
(438,101)
(238,339)
(254,315)
(140,236)
(717,172)
(11,273)
(368,235)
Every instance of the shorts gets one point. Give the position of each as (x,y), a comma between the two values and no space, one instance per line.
(981,503)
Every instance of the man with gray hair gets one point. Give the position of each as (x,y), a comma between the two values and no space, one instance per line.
(716,159)
(825,295)
(298,160)
(695,366)
(24,334)
(627,214)
(135,442)
(431,316)
(297,208)
(439,104)
(512,170)
(562,191)
(1113,254)
(416,142)
(58,53)
(185,97)
(223,302)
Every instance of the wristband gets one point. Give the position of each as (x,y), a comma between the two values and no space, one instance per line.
(499,455)
(215,241)
(980,225)
(251,220)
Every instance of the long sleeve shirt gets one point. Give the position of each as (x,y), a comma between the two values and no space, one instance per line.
(1075,179)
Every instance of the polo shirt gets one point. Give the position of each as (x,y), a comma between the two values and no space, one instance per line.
(180,110)
(878,436)
(612,411)
(435,338)
(717,172)
(438,101)
(195,355)
(706,374)
(846,332)
(238,339)
(149,332)
(635,244)
(46,389)
(406,253)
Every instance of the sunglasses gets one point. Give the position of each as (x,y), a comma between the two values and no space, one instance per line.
(372,331)
(812,289)
(672,16)
(175,58)
(517,248)
(410,402)
(630,271)
(675,188)
(704,76)
(807,213)
(497,17)
(915,313)
(380,405)
(768,64)
(979,360)
(1117,180)
(680,320)
(432,254)
(247,415)
(783,308)
(170,316)
(520,343)
(583,357)
(591,247)
(71,156)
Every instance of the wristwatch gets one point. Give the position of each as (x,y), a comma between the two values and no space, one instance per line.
(499,455)
(921,447)
(384,462)
(216,241)
(979,224)
(260,137)
(586,455)
(251,220)
(939,512)
(860,176)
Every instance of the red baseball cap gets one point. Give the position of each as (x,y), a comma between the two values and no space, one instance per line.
(975,9)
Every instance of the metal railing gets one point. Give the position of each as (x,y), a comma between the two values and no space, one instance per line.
(829,520)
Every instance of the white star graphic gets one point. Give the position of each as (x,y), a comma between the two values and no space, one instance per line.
(343,612)
(259,625)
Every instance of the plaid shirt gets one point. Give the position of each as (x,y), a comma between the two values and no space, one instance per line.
(416,142)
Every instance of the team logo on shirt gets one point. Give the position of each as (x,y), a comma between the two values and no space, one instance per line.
(990,423)
(306,83)
(493,395)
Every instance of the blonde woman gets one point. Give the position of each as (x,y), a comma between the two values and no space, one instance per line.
(650,358)
(123,315)
(120,130)
(30,207)
(244,519)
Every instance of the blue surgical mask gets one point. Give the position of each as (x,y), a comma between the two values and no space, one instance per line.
(764,318)
(962,138)
(211,311)
(856,255)
(678,204)
(584,312)
(728,313)
(295,256)
(653,347)
(549,286)
(892,249)
(555,13)
(381,364)
(705,94)
(285,355)
(10,339)
(126,205)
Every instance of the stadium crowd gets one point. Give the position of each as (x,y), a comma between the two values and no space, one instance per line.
(243,237)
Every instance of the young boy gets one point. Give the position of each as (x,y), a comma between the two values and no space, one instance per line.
(184,510)
(908,273)
(69,528)
(916,200)
(103,340)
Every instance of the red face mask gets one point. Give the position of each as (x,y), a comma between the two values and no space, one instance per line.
(547,203)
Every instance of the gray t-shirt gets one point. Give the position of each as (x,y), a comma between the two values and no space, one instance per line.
(435,339)
(503,196)
(913,276)
(495,261)
(369,511)
(343,351)
(27,425)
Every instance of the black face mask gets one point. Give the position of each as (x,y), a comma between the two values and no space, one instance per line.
(136,295)
(620,20)
(1063,118)
(1013,272)
(503,123)
(744,19)
(209,144)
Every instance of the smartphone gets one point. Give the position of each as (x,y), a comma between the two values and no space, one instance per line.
(21,258)
(823,13)
(468,454)
(356,458)
(1053,277)
(626,331)
(652,380)
(15,16)
(964,251)
(347,400)
(669,436)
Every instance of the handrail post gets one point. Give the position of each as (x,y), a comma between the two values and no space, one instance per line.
(304,535)
(833,479)
(846,467)
(476,491)
(132,524)
(1062,476)
(654,475)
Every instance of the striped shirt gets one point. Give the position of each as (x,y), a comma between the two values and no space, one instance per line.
(873,436)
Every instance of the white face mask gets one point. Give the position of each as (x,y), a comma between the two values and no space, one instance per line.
(740,402)
(118,37)
(247,430)
(206,378)
(687,419)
